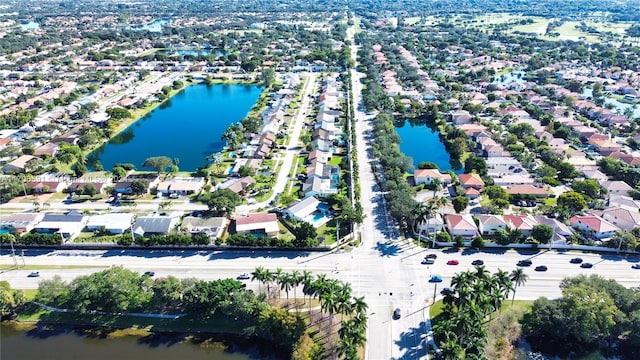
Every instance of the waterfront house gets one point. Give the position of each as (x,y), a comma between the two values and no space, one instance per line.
(181,186)
(527,190)
(426,176)
(258,224)
(238,186)
(113,223)
(100,186)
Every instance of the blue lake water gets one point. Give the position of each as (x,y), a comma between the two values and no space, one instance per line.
(512,76)
(31,25)
(155,26)
(618,106)
(187,127)
(422,143)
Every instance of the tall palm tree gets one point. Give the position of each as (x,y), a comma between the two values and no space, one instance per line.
(296,280)
(504,281)
(519,278)
(437,186)
(277,276)
(269,277)
(258,275)
(286,283)
(343,300)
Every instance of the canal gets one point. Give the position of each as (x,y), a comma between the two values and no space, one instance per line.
(187,127)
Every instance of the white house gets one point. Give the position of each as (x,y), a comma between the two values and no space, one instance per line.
(115,223)
(434,224)
(488,224)
(69,225)
(621,217)
(302,208)
(426,176)
(594,225)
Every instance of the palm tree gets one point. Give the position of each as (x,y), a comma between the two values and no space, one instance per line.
(504,282)
(278,276)
(343,304)
(437,186)
(519,278)
(296,279)
(269,276)
(359,306)
(258,274)
(286,283)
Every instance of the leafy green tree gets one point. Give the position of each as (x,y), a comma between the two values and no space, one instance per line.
(542,233)
(460,203)
(90,190)
(477,165)
(246,171)
(139,186)
(158,163)
(588,187)
(119,172)
(571,201)
(221,201)
(118,113)
(305,231)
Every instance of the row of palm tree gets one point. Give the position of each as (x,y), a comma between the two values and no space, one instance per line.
(335,298)
(425,211)
(473,299)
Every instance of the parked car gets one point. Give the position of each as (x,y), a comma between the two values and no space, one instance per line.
(34,274)
(477,262)
(540,268)
(586,265)
(525,262)
(576,261)
(427,262)
(446,291)
(435,278)
(431,256)
(453,262)
(397,313)
(243,276)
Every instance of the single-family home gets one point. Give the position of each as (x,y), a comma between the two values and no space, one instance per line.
(426,176)
(22,164)
(154,225)
(20,223)
(621,217)
(527,190)
(431,225)
(214,226)
(488,224)
(238,186)
(76,186)
(623,201)
(258,224)
(560,230)
(49,148)
(616,187)
(522,222)
(114,223)
(513,179)
(302,209)
(42,187)
(471,181)
(459,117)
(181,186)
(69,224)
(461,225)
(594,225)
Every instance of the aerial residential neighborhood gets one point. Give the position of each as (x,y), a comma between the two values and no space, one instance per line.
(320,180)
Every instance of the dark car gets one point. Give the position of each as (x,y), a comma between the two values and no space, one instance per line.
(397,313)
(427,262)
(525,262)
(243,276)
(446,291)
(635,266)
(586,265)
(541,268)
(34,274)
(149,273)
(431,256)
(576,261)
(477,262)
(435,278)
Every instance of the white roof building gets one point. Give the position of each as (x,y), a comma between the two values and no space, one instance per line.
(115,223)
